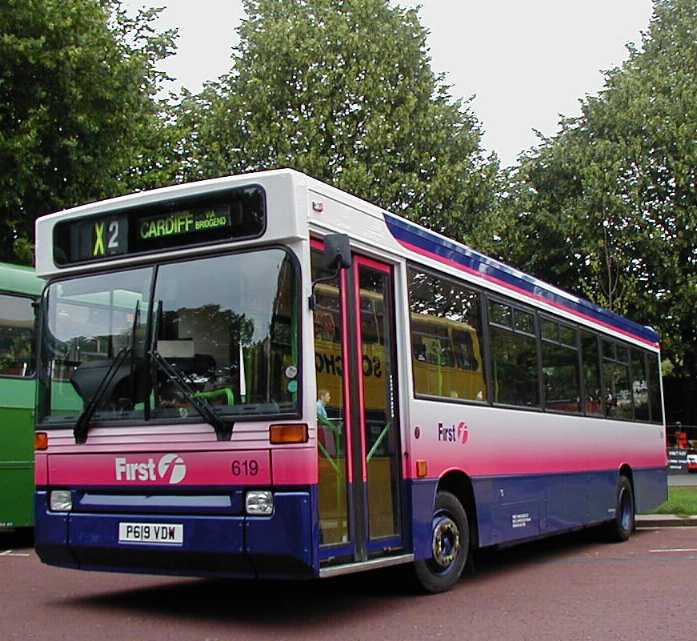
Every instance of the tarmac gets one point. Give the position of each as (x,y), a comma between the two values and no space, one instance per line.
(670,520)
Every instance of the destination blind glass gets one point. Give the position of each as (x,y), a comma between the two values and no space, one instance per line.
(237,215)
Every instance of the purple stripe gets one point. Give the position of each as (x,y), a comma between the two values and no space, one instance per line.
(452,253)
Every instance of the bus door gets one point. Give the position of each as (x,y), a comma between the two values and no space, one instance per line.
(358,424)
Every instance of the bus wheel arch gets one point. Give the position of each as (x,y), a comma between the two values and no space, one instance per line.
(453,533)
(626,470)
(460,485)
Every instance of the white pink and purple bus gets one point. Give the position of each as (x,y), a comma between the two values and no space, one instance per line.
(261,376)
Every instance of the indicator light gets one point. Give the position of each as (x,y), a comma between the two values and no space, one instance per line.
(295,433)
(40,441)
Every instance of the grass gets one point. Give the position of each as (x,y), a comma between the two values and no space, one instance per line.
(681,501)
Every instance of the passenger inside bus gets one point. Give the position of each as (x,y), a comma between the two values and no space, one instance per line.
(329,432)
(324,398)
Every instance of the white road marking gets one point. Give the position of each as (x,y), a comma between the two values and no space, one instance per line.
(12,553)
(676,550)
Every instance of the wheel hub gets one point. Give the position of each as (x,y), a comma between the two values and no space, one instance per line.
(446,541)
(625,510)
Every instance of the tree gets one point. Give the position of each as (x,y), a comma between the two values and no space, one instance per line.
(78,115)
(343,90)
(608,207)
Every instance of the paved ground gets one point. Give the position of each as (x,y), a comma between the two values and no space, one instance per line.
(566,588)
(682,479)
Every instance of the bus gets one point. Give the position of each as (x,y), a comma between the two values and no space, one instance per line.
(19,289)
(263,377)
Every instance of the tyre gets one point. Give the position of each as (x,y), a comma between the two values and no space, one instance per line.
(450,545)
(622,526)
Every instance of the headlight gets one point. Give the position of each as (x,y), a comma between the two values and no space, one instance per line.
(260,503)
(60,501)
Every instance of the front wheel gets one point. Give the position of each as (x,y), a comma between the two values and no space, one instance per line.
(622,526)
(450,546)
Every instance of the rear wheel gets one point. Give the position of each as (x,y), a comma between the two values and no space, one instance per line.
(450,546)
(622,526)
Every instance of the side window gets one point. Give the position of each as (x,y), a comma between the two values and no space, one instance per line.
(16,336)
(640,385)
(513,356)
(618,400)
(655,388)
(560,367)
(446,338)
(591,374)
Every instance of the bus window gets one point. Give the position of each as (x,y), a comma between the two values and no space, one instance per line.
(445,338)
(618,400)
(549,330)
(640,388)
(655,389)
(524,322)
(513,358)
(591,374)
(500,314)
(464,351)
(16,336)
(560,367)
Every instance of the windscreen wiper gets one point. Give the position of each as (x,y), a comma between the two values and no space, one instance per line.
(223,430)
(82,425)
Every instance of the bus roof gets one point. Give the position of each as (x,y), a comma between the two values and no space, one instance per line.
(19,279)
(456,255)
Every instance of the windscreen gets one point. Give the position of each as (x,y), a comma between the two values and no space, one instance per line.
(227,325)
(89,320)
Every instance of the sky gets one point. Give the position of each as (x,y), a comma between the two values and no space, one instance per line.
(524,62)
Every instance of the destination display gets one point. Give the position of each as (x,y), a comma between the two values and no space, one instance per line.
(239,215)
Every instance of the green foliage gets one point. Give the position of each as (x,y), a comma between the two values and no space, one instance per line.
(608,207)
(681,501)
(343,90)
(15,350)
(78,117)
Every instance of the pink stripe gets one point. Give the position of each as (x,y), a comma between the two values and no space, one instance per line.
(294,466)
(41,469)
(525,466)
(168,468)
(522,292)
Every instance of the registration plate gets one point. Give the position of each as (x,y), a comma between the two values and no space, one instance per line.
(162,533)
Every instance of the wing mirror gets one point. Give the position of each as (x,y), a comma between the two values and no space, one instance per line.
(337,251)
(337,256)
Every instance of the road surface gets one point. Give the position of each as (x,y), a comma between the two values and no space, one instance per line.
(566,588)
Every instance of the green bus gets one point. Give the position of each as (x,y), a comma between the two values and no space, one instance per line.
(19,288)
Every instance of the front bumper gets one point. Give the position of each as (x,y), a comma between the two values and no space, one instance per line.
(275,547)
